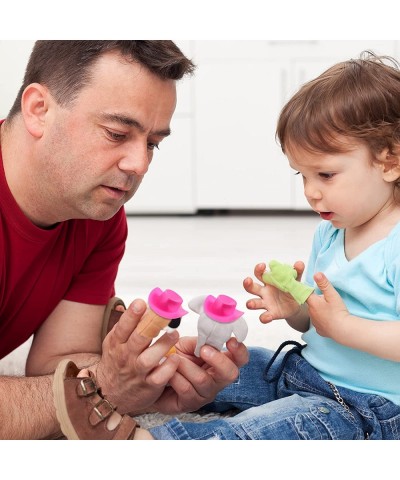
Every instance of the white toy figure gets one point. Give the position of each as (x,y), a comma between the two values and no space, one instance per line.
(218,320)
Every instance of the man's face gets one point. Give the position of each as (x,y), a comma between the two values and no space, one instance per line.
(95,152)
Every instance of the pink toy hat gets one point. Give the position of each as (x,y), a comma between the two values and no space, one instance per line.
(166,303)
(222,309)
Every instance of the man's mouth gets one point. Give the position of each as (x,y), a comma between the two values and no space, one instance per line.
(115,192)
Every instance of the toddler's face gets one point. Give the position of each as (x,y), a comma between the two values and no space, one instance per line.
(348,189)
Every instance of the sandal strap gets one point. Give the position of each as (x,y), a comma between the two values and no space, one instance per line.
(86,387)
(101,411)
(126,428)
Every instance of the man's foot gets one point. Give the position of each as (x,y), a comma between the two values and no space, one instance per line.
(83,413)
(114,309)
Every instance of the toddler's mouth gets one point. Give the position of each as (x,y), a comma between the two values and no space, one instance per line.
(326,215)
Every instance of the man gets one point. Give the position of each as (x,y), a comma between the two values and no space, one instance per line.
(74,148)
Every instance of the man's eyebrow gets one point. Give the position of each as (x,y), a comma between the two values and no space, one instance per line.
(131,122)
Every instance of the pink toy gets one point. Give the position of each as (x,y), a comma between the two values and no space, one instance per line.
(166,303)
(222,309)
(218,320)
(164,310)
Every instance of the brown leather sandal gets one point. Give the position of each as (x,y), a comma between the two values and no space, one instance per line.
(111,316)
(81,409)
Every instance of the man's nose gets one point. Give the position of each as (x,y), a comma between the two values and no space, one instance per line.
(136,161)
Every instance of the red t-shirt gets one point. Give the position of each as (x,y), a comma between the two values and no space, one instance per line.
(76,260)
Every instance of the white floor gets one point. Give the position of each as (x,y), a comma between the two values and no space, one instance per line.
(196,255)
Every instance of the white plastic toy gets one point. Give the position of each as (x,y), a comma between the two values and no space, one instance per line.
(218,320)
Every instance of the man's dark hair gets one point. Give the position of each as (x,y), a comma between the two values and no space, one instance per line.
(64,66)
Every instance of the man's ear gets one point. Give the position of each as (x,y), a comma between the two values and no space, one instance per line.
(390,165)
(34,106)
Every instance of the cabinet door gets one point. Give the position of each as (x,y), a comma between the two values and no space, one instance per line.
(238,163)
(14,55)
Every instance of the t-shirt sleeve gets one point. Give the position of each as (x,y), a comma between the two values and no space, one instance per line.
(94,283)
(392,266)
(323,231)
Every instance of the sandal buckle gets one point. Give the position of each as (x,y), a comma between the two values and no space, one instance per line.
(103,409)
(87,387)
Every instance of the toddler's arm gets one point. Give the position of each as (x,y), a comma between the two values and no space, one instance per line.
(331,318)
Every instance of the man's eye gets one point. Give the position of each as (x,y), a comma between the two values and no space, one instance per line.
(115,137)
(152,146)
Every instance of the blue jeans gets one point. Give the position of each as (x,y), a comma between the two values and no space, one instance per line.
(289,402)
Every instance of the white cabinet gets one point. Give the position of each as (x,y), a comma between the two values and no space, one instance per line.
(14,55)
(238,163)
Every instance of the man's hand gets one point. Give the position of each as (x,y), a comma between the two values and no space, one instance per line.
(132,374)
(198,380)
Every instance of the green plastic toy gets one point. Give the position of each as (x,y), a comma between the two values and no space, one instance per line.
(283,277)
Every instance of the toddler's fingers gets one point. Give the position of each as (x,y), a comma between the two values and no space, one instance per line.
(259,269)
(251,287)
(327,289)
(299,267)
(255,304)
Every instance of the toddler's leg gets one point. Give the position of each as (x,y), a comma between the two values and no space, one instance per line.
(290,418)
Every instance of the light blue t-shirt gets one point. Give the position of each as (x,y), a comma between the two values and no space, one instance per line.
(369,285)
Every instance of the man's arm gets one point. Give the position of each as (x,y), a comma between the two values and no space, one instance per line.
(27,409)
(129,371)
(72,330)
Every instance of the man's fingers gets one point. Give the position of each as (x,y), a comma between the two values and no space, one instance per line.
(238,351)
(128,321)
(161,348)
(161,375)
(224,369)
(190,381)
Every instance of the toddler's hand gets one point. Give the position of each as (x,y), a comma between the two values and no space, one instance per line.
(327,311)
(278,304)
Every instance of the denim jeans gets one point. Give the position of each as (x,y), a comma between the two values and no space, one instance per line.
(291,402)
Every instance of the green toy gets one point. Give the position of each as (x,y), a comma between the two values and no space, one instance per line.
(283,277)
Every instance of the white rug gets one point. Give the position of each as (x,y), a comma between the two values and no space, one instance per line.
(149,420)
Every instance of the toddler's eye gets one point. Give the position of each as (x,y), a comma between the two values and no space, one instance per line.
(326,175)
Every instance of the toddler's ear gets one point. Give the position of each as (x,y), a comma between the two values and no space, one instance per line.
(390,164)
